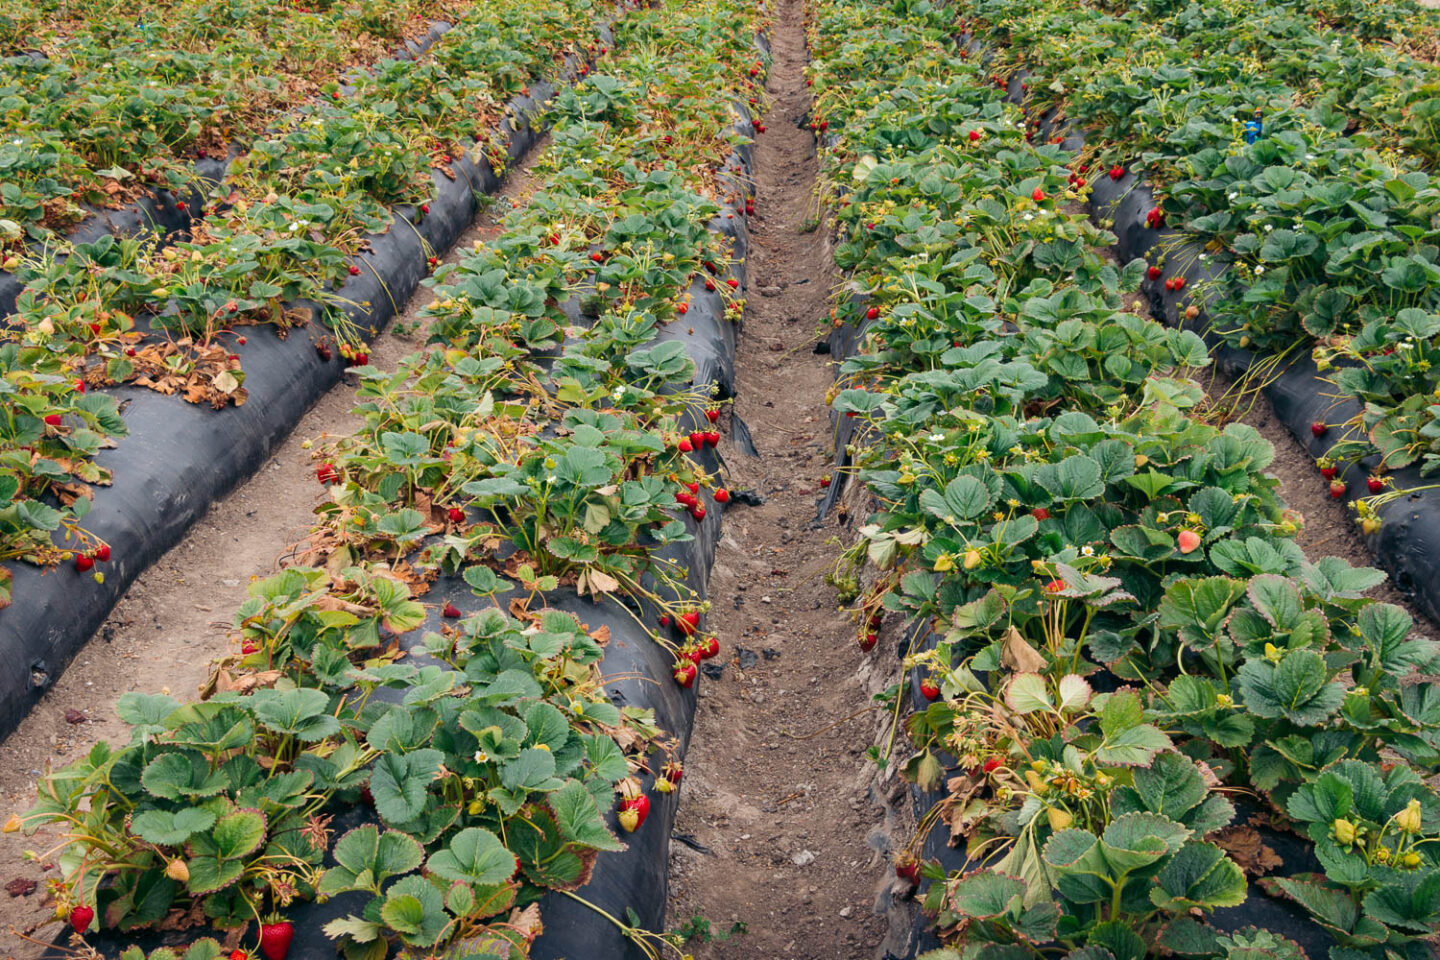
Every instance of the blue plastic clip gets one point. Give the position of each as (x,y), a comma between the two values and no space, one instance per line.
(1254,129)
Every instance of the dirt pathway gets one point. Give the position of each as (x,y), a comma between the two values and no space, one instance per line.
(773,829)
(175,618)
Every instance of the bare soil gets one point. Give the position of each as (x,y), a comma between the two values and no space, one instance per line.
(773,826)
(176,617)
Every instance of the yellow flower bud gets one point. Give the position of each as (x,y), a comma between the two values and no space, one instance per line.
(1344,832)
(1408,820)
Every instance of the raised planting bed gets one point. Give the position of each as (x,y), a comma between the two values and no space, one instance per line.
(288,229)
(178,458)
(103,100)
(482,667)
(1110,627)
(1301,254)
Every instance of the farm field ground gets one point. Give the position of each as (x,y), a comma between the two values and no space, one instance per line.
(784,512)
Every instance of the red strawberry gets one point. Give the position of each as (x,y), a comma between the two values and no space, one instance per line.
(1154,273)
(80,917)
(457,515)
(450,611)
(733,283)
(992,764)
(867,643)
(248,648)
(424,208)
(713,438)
(709,284)
(323,349)
(1179,283)
(693,487)
(1169,285)
(1189,540)
(723,496)
(825,481)
(1116,172)
(1080,182)
(698,512)
(239,955)
(597,256)
(1375,484)
(692,653)
(872,314)
(713,415)
(682,308)
(638,807)
(83,562)
(1337,488)
(684,446)
(689,621)
(685,674)
(360,360)
(697,439)
(1038,195)
(930,689)
(1318,429)
(974,135)
(709,648)
(1329,471)
(53,419)
(909,872)
(326,473)
(275,939)
(1040,513)
(665,620)
(102,553)
(354,270)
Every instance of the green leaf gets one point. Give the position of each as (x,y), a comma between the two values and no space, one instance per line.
(1297,688)
(985,894)
(239,833)
(365,858)
(400,784)
(301,712)
(1029,693)
(1138,840)
(1199,876)
(474,855)
(168,828)
(181,774)
(1410,902)
(579,819)
(415,909)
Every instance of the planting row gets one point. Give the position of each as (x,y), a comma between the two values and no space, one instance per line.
(1112,628)
(1299,211)
(539,474)
(98,102)
(284,243)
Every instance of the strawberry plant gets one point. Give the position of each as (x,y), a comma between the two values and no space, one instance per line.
(1057,512)
(522,451)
